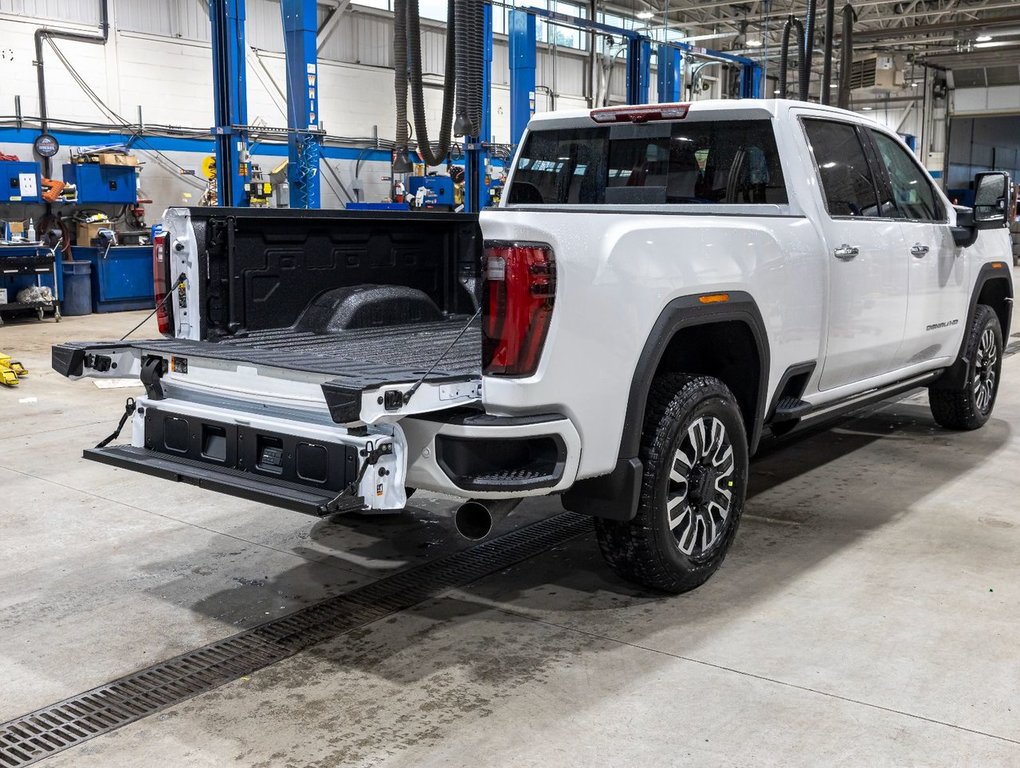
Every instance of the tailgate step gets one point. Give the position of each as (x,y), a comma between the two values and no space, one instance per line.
(266,490)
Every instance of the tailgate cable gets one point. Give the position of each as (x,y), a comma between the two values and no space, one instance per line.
(414,387)
(129,409)
(372,456)
(169,294)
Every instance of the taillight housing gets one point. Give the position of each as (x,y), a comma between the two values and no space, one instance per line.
(160,268)
(517,306)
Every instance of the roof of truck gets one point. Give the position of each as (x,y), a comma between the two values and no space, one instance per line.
(732,107)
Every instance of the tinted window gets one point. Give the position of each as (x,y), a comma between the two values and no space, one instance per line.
(913,196)
(561,166)
(843,169)
(700,162)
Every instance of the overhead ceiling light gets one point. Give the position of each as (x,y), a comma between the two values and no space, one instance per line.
(914,84)
(754,43)
(866,109)
(777,92)
(646,15)
(993,44)
(983,39)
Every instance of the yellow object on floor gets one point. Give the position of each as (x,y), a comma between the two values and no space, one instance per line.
(10,371)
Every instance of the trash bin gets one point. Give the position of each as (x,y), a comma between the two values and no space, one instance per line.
(77,298)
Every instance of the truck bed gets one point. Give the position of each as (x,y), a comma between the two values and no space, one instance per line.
(362,357)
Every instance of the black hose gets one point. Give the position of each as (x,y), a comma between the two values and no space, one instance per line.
(401,162)
(807,51)
(429,155)
(791,24)
(846,56)
(462,125)
(830,23)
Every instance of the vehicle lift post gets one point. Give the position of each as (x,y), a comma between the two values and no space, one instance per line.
(231,109)
(669,74)
(523,55)
(304,148)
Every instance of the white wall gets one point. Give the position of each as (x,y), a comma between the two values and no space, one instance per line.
(158,62)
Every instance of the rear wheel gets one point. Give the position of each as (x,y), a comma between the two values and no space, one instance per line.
(970,406)
(694,451)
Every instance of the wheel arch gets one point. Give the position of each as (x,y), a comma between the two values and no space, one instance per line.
(720,339)
(993,288)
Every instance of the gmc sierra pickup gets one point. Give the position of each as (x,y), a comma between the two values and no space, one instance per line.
(661,286)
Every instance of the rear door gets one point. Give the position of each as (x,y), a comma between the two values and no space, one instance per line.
(938,290)
(867,282)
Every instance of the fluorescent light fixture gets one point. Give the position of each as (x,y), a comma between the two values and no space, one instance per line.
(645,15)
(993,44)
(983,39)
(776,92)
(866,109)
(914,84)
(754,43)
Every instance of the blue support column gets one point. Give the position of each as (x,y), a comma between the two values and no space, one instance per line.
(639,69)
(476,192)
(303,139)
(669,77)
(750,81)
(523,46)
(230,99)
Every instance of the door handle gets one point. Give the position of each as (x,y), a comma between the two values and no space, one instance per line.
(919,250)
(846,252)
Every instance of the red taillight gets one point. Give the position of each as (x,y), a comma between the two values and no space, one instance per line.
(517,306)
(159,269)
(643,114)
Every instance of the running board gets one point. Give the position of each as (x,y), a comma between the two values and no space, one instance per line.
(265,490)
(872,396)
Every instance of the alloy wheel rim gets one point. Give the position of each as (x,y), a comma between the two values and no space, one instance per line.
(700,489)
(985,371)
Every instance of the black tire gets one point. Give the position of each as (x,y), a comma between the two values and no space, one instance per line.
(970,406)
(647,550)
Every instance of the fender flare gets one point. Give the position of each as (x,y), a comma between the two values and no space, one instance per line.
(955,375)
(615,496)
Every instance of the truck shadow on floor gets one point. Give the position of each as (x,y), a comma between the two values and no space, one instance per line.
(807,502)
(475,650)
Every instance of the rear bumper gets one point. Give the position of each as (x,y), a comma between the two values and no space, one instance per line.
(485,456)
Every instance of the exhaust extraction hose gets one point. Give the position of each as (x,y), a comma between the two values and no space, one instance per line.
(400,76)
(807,52)
(846,56)
(438,154)
(470,32)
(792,23)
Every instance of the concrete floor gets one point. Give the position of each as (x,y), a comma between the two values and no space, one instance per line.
(867,615)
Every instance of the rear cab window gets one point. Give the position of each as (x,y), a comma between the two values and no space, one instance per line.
(702,162)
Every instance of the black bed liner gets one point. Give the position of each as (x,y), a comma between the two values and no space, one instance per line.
(362,358)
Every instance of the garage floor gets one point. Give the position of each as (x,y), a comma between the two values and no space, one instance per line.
(868,614)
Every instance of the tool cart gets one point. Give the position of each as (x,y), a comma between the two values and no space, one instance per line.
(23,266)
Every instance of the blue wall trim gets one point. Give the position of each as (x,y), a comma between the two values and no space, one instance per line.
(11,135)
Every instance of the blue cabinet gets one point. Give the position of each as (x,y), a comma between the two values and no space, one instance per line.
(121,277)
(102,183)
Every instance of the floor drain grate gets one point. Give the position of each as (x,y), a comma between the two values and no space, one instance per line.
(40,734)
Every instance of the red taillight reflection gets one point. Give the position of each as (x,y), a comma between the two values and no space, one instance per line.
(520,290)
(159,270)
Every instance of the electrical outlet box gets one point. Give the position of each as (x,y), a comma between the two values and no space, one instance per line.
(19,182)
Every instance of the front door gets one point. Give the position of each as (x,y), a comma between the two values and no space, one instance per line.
(938,291)
(867,282)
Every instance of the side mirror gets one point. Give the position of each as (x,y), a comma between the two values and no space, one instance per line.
(991,200)
(964,233)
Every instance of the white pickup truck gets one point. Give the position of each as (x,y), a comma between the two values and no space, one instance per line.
(661,286)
